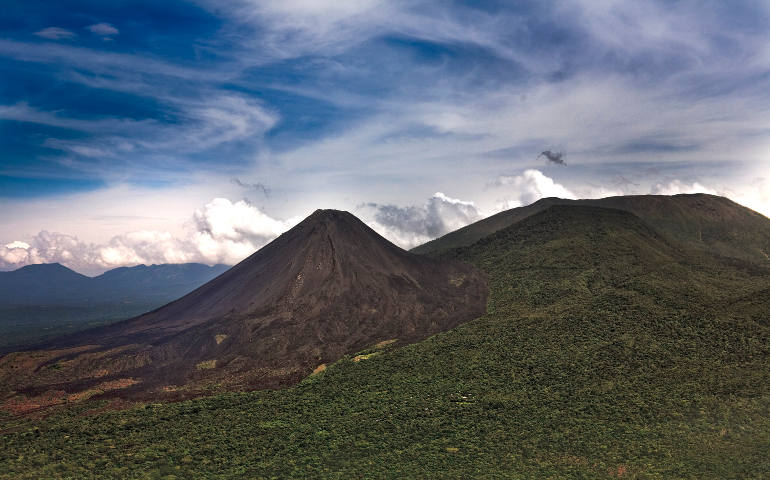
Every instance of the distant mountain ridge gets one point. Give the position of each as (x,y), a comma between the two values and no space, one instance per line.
(45,300)
(55,284)
(699,221)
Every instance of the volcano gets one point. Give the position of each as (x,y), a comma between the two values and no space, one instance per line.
(328,287)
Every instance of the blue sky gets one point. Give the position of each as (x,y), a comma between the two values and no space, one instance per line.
(136,132)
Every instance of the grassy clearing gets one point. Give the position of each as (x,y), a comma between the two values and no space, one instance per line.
(367,356)
(206,364)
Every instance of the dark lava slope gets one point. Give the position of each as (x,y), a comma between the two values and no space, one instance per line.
(328,287)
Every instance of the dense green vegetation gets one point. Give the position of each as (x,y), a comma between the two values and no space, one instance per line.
(698,221)
(607,351)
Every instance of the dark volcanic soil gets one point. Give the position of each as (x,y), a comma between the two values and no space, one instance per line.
(328,287)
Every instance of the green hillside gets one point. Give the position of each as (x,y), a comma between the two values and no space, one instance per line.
(700,221)
(609,350)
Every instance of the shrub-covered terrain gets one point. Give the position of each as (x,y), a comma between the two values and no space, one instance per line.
(608,351)
(699,221)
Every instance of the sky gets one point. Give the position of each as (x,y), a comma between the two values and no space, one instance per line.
(167,132)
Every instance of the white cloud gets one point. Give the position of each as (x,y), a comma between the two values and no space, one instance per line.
(104,64)
(23,112)
(203,124)
(222,119)
(290,28)
(77,148)
(528,187)
(226,232)
(414,225)
(13,254)
(55,33)
(221,232)
(675,187)
(532,185)
(46,247)
(592,113)
(755,195)
(103,29)
(296,28)
(206,123)
(698,94)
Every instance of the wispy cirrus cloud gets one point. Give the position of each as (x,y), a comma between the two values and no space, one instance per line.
(108,63)
(384,102)
(201,125)
(23,112)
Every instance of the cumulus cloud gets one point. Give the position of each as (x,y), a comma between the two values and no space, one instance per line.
(675,187)
(224,231)
(533,185)
(14,253)
(220,232)
(528,187)
(227,232)
(754,194)
(46,247)
(55,33)
(413,225)
(103,29)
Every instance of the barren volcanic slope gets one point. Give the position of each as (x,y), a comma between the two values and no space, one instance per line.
(328,287)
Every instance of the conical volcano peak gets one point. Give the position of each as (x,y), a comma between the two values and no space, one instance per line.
(331,217)
(328,227)
(329,213)
(328,287)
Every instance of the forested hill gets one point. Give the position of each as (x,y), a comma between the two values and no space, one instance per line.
(699,221)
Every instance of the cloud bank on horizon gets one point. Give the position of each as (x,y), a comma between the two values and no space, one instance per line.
(198,131)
